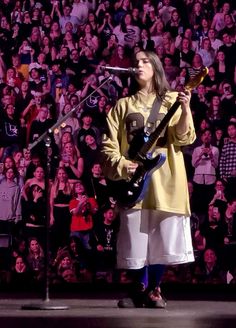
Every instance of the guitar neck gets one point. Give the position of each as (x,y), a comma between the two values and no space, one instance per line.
(193,83)
(154,136)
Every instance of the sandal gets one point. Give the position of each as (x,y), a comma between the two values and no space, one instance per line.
(156,300)
(137,299)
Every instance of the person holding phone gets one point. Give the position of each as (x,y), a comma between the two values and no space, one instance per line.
(72,162)
(82,209)
(205,160)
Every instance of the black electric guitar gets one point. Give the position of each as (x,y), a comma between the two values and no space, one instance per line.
(129,192)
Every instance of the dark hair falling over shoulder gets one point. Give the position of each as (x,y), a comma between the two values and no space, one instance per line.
(160,83)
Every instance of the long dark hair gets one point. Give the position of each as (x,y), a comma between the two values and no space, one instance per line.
(160,83)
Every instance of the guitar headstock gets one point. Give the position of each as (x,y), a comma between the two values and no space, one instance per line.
(197,79)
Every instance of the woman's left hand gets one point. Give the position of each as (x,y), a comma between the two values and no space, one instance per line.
(184,99)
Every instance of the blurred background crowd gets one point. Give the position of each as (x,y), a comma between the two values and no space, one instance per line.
(51,53)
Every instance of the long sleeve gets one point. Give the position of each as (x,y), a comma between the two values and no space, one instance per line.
(17,205)
(205,167)
(168,186)
(222,162)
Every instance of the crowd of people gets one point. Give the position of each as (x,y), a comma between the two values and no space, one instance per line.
(51,75)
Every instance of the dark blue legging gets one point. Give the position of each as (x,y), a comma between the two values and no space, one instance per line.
(150,276)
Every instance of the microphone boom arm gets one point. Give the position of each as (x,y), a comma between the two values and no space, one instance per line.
(64,118)
(117,69)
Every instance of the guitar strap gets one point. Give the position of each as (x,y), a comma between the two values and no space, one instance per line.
(152,118)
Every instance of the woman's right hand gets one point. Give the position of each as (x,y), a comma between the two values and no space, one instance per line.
(131,168)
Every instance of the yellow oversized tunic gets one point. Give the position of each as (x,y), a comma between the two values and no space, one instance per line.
(168,189)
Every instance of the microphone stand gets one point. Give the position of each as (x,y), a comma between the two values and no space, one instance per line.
(64,118)
(46,303)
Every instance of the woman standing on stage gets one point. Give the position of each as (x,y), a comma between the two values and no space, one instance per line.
(156,231)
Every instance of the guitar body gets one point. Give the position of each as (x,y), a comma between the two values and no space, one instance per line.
(129,192)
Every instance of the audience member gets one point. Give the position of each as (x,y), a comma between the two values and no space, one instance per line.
(207,52)
(171,71)
(219,192)
(218,138)
(221,67)
(146,42)
(34,214)
(218,22)
(215,42)
(104,239)
(58,79)
(181,79)
(186,53)
(66,17)
(23,98)
(215,113)
(229,25)
(96,185)
(87,126)
(10,202)
(20,276)
(166,10)
(210,82)
(40,125)
(64,267)
(90,151)
(10,132)
(200,105)
(203,30)
(37,179)
(51,55)
(205,161)
(214,228)
(227,102)
(208,270)
(60,218)
(227,165)
(19,247)
(83,209)
(156,31)
(196,65)
(72,162)
(32,161)
(36,259)
(80,260)
(81,11)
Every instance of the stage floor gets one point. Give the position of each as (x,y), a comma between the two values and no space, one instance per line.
(100,310)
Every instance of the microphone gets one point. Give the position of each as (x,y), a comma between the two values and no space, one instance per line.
(130,70)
